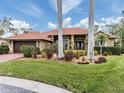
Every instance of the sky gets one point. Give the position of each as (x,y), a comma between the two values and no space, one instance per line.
(42,15)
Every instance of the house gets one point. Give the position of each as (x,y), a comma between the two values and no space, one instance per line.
(73,38)
(110,41)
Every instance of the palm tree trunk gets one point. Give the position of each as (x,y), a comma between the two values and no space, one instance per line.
(91,32)
(60,32)
(101,49)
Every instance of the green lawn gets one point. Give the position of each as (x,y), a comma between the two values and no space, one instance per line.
(105,78)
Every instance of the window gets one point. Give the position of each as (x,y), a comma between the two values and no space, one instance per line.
(65,43)
(98,43)
(79,39)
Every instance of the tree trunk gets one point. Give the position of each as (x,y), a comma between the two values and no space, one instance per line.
(91,32)
(101,49)
(60,32)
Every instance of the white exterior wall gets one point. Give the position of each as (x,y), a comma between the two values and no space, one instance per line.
(44,44)
(110,42)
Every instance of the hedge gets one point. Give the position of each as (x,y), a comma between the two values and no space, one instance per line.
(112,50)
(79,52)
(4,49)
(122,50)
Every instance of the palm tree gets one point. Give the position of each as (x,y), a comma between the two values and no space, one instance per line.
(60,32)
(101,38)
(91,32)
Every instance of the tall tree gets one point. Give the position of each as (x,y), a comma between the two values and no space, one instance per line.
(118,29)
(60,32)
(6,25)
(91,32)
(122,31)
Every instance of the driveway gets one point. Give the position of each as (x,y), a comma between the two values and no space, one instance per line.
(17,85)
(7,57)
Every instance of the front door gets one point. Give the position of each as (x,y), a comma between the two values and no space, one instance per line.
(79,45)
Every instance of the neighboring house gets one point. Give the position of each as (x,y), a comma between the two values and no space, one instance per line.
(73,38)
(110,40)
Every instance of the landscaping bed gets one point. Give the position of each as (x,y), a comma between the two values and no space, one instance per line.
(103,78)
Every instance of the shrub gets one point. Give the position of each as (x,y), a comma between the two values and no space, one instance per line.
(77,54)
(38,50)
(83,59)
(97,62)
(4,49)
(44,50)
(34,52)
(43,54)
(96,52)
(105,53)
(102,59)
(109,53)
(84,52)
(69,55)
(26,50)
(113,50)
(69,51)
(55,48)
(49,53)
(122,49)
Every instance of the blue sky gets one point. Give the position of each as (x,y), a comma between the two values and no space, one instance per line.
(41,14)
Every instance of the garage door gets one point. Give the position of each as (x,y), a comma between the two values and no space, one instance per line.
(18,44)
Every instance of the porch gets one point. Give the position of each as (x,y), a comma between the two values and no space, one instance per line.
(74,42)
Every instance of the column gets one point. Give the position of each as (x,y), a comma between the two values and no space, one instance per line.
(86,43)
(72,41)
(11,47)
(37,43)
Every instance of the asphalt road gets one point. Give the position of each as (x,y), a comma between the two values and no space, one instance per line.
(12,89)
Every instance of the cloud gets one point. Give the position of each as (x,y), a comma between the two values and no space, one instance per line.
(52,26)
(111,20)
(83,23)
(32,9)
(68,5)
(29,7)
(67,22)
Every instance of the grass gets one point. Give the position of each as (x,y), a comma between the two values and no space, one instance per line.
(104,78)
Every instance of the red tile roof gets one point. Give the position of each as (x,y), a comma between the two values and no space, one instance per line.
(71,31)
(31,36)
(45,35)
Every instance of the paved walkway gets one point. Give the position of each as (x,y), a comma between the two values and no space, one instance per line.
(31,85)
(7,57)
